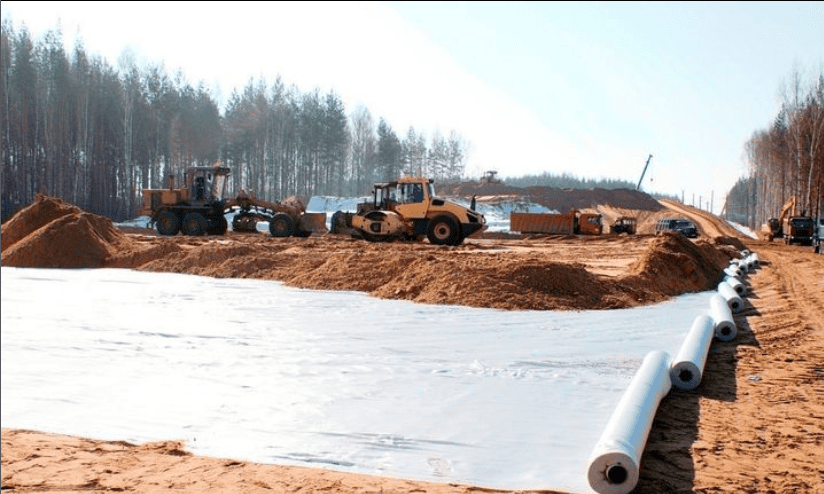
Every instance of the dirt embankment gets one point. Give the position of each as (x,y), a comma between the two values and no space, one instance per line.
(524,274)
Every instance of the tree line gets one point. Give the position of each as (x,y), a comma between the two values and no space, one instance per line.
(785,160)
(76,127)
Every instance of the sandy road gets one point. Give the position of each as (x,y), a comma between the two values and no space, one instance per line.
(708,224)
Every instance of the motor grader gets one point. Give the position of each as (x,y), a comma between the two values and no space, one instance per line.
(407,209)
(199,208)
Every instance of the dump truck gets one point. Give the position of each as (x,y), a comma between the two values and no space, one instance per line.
(571,223)
(408,209)
(799,229)
(199,208)
(791,227)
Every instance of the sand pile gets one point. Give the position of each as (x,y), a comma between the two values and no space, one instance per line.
(50,233)
(673,265)
(554,273)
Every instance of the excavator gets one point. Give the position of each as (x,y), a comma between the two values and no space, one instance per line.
(199,208)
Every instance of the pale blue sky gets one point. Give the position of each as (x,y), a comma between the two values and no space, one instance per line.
(586,88)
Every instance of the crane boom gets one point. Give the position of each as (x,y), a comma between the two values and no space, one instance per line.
(643,173)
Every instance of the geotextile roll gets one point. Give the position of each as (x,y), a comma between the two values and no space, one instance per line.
(733,300)
(688,364)
(734,271)
(736,284)
(616,458)
(725,329)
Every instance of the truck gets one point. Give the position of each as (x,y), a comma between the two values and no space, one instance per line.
(798,229)
(407,209)
(791,227)
(199,208)
(571,223)
(681,225)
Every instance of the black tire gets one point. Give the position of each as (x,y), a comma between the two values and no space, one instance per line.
(218,225)
(194,224)
(281,225)
(168,223)
(338,222)
(443,231)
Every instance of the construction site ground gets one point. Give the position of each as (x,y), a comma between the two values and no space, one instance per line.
(756,423)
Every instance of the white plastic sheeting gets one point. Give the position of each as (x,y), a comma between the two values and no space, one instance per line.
(616,458)
(252,370)
(688,364)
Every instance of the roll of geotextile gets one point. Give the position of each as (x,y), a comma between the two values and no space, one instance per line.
(753,261)
(725,329)
(616,458)
(734,270)
(688,364)
(744,266)
(735,283)
(733,300)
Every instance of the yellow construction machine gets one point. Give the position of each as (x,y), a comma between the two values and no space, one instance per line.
(199,208)
(407,209)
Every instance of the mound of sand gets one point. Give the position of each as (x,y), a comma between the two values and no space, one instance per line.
(673,264)
(554,273)
(50,233)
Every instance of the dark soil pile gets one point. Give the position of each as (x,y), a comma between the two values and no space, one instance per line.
(561,200)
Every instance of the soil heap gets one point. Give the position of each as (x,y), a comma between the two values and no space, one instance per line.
(50,233)
(546,274)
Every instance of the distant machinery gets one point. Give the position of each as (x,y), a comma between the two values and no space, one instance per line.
(643,173)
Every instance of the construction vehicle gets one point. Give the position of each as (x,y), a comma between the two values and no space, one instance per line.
(680,225)
(489,178)
(407,209)
(799,229)
(624,224)
(571,223)
(793,228)
(638,187)
(199,208)
(775,226)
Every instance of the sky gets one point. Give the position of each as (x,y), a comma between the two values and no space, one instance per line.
(586,88)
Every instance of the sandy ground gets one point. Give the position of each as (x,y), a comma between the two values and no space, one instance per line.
(756,423)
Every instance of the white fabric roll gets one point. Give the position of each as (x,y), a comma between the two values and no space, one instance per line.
(734,271)
(615,460)
(735,283)
(688,365)
(725,329)
(733,300)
